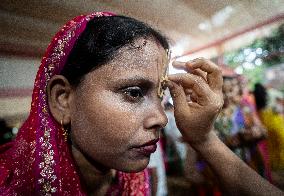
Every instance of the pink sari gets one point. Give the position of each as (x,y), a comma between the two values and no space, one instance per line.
(39,160)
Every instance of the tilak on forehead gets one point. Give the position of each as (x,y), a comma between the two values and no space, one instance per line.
(164,76)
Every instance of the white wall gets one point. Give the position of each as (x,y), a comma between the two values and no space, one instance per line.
(16,73)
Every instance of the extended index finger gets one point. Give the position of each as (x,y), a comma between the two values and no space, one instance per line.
(214,73)
(186,67)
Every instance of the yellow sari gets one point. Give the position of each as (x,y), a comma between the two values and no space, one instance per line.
(274,124)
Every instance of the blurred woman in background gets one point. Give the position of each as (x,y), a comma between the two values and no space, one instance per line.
(274,123)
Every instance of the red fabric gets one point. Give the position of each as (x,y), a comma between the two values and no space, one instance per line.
(39,161)
(263,148)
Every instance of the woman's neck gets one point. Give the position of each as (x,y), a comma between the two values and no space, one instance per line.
(96,179)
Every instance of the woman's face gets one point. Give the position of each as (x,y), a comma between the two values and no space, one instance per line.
(116,114)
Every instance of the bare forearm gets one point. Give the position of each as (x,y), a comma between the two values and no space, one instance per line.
(234,175)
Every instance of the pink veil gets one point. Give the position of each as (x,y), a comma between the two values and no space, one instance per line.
(39,161)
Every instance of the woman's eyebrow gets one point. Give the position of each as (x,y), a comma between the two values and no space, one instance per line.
(136,80)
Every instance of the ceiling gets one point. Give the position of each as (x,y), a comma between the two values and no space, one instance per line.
(27,26)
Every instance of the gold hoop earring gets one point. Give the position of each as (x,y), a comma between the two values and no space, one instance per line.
(65,133)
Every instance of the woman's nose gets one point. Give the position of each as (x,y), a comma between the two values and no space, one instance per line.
(156,117)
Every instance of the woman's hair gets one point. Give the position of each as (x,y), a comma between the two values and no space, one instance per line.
(260,96)
(101,40)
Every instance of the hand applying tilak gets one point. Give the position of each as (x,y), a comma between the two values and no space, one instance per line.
(203,84)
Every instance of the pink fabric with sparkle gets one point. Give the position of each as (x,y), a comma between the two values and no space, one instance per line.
(39,161)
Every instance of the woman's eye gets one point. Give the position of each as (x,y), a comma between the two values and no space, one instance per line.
(133,93)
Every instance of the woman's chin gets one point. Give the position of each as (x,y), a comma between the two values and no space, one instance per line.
(134,166)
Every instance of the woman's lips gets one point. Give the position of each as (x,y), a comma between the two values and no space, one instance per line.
(147,148)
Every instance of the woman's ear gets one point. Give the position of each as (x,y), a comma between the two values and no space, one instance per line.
(59,94)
